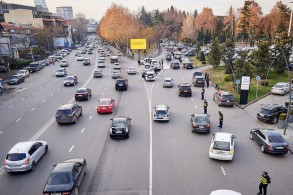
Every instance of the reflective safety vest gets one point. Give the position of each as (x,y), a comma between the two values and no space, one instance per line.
(205,104)
(221,116)
(264,180)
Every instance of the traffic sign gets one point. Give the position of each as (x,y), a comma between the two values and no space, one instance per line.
(237,82)
(257,78)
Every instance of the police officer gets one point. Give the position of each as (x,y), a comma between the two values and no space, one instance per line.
(202,93)
(265,180)
(220,119)
(208,81)
(205,106)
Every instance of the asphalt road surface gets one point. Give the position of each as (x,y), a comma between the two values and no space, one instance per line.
(158,158)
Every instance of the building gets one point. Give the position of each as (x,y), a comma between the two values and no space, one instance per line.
(41,5)
(92,26)
(65,12)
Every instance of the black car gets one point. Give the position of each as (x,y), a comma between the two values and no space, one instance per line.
(175,64)
(269,140)
(86,61)
(3,68)
(121,84)
(168,56)
(184,89)
(34,67)
(271,112)
(68,113)
(16,79)
(120,127)
(66,177)
(83,52)
(83,94)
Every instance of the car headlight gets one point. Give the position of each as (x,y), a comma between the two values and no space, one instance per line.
(126,130)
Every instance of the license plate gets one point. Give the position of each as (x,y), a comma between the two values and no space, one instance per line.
(228,101)
(104,108)
(220,152)
(55,193)
(118,132)
(279,147)
(185,91)
(120,85)
(79,95)
(201,127)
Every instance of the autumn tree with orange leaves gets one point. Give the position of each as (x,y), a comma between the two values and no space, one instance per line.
(188,29)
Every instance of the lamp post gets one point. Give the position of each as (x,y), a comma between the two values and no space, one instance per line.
(290,24)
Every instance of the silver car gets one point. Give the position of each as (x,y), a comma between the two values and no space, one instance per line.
(24,156)
(116,74)
(168,82)
(281,88)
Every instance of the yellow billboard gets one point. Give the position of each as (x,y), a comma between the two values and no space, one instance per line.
(137,43)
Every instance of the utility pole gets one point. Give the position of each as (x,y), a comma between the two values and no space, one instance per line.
(290,24)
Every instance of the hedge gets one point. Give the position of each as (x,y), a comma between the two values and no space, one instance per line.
(19,64)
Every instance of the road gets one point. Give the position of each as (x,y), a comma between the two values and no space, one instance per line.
(158,158)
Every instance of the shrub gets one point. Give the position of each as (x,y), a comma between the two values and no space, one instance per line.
(264,83)
(19,64)
(203,62)
(202,57)
(283,116)
(228,78)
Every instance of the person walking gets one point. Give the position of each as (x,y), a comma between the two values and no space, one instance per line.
(208,82)
(202,93)
(206,76)
(138,61)
(205,106)
(221,117)
(265,180)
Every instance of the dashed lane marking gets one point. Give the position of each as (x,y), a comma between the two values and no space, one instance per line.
(91,117)
(1,132)
(18,119)
(71,148)
(33,109)
(11,106)
(33,92)
(82,130)
(43,101)
(223,170)
(52,94)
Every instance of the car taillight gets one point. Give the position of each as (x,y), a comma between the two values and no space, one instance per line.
(189,90)
(208,125)
(46,193)
(4,162)
(195,125)
(181,90)
(222,100)
(85,94)
(26,161)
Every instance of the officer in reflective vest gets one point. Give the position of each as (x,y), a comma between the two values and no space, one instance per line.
(205,106)
(220,119)
(265,180)
(202,93)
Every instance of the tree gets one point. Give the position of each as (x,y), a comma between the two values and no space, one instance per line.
(229,23)
(281,57)
(206,20)
(228,55)
(242,67)
(215,53)
(188,29)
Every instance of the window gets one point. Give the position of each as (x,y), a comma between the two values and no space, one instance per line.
(59,179)
(220,145)
(32,149)
(16,156)
(276,139)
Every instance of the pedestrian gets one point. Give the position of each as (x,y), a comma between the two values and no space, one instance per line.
(162,63)
(202,93)
(205,106)
(265,180)
(208,81)
(221,117)
(138,61)
(206,76)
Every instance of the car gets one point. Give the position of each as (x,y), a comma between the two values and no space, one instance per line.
(86,61)
(150,76)
(3,68)
(200,123)
(184,89)
(168,56)
(222,146)
(24,73)
(66,177)
(168,82)
(59,56)
(16,79)
(187,64)
(79,58)
(98,73)
(77,53)
(24,156)
(61,72)
(90,51)
(105,105)
(269,140)
(116,66)
(34,67)
(281,88)
(45,62)
(116,74)
(224,98)
(196,74)
(68,113)
(161,113)
(113,59)
(147,67)
(102,58)
(198,81)
(290,98)
(63,63)
(83,51)
(70,81)
(175,64)
(121,84)
(118,53)
(101,64)
(120,127)
(83,94)
(131,70)
(270,113)
(224,192)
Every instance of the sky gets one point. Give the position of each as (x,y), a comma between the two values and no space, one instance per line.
(96,8)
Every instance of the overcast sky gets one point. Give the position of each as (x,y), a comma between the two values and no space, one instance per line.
(96,8)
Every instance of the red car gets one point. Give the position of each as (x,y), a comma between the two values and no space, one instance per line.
(105,105)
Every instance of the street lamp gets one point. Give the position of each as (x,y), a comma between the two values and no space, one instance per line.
(290,24)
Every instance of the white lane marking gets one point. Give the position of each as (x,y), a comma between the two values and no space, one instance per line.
(32,109)
(18,119)
(33,92)
(82,130)
(43,129)
(195,106)
(91,117)
(43,101)
(192,99)
(52,94)
(1,132)
(105,88)
(71,148)
(11,106)
(223,170)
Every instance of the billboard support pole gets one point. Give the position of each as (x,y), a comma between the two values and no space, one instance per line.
(139,55)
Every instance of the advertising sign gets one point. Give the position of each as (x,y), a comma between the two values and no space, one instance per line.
(137,44)
(62,42)
(245,82)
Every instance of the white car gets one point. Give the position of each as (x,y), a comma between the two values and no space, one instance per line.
(150,76)
(63,63)
(222,146)
(281,88)
(224,192)
(101,64)
(116,74)
(116,66)
(168,82)
(61,72)
(118,53)
(101,58)
(131,70)
(79,58)
(161,113)
(24,73)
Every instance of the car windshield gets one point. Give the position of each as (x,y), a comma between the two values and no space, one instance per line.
(279,86)
(118,125)
(276,139)
(59,179)
(227,97)
(220,145)
(265,111)
(32,65)
(16,156)
(167,80)
(81,90)
(63,61)
(185,87)
(201,120)
(21,71)
(14,77)
(161,112)
(69,78)
(60,70)
(120,81)
(104,103)
(63,112)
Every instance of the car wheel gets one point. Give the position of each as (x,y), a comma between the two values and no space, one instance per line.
(251,137)
(80,113)
(262,148)
(88,97)
(127,136)
(275,120)
(33,166)
(46,149)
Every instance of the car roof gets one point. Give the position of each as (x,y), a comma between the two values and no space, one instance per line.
(105,99)
(161,107)
(281,83)
(119,118)
(223,136)
(225,93)
(65,106)
(270,106)
(185,84)
(61,68)
(82,88)
(63,167)
(199,114)
(168,79)
(21,147)
(270,131)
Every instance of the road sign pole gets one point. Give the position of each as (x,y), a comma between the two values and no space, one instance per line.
(256,89)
